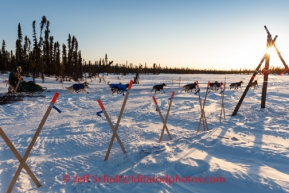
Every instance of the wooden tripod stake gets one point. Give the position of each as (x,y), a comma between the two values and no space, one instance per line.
(266,57)
(114,129)
(18,156)
(222,106)
(162,118)
(23,160)
(203,118)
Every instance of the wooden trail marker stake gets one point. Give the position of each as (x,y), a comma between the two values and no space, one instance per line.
(23,160)
(266,58)
(203,118)
(114,129)
(222,106)
(18,156)
(162,118)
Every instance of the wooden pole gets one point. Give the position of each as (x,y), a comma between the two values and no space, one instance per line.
(266,70)
(111,126)
(203,115)
(118,121)
(250,82)
(23,161)
(163,120)
(222,106)
(204,103)
(279,54)
(18,156)
(166,118)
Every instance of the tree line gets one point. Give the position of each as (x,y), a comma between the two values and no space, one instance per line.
(44,56)
(124,69)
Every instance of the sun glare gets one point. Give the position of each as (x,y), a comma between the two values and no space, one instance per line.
(270,50)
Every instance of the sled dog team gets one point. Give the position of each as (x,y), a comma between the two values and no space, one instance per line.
(120,88)
(213,86)
(159,87)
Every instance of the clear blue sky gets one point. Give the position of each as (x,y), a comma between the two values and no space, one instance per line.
(211,34)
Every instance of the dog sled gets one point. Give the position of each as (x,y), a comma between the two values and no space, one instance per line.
(22,89)
(118,88)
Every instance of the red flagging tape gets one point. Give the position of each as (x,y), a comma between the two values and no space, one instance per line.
(173,94)
(265,71)
(154,98)
(55,97)
(130,84)
(100,104)
(286,69)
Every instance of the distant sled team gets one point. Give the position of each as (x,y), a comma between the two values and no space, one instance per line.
(120,88)
(216,86)
(213,86)
(115,88)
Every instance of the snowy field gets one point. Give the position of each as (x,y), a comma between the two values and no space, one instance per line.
(250,150)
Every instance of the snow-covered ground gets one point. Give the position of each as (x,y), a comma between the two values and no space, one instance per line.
(250,150)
